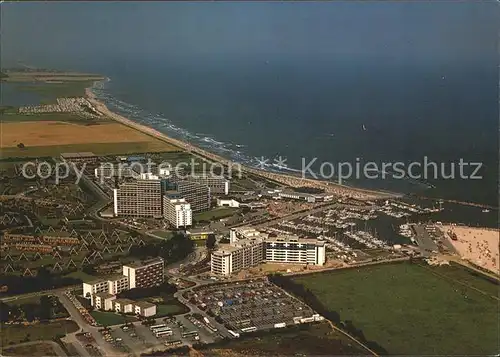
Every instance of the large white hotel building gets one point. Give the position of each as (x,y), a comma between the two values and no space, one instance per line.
(249,247)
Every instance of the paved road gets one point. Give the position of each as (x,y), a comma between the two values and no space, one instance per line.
(39,293)
(105,348)
(425,242)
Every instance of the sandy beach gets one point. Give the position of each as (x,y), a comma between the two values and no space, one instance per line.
(477,245)
(289,180)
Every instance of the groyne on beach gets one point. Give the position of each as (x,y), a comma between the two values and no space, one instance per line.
(285,179)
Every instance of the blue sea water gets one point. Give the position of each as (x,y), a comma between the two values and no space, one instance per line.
(344,81)
(334,112)
(10,94)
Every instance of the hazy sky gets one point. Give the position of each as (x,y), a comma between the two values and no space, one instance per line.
(429,31)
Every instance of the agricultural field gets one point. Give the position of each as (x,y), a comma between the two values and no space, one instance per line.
(51,138)
(310,340)
(414,309)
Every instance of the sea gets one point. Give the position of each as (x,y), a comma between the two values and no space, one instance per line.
(304,87)
(317,120)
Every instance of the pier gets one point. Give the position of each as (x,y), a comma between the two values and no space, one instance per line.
(424,240)
(463,203)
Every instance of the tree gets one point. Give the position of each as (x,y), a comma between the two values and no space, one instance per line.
(210,242)
(4,312)
(45,308)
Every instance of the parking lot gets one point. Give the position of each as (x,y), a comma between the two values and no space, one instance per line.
(253,305)
(137,338)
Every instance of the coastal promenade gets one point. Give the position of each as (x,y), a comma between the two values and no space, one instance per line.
(289,180)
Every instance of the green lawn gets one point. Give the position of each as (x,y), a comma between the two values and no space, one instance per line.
(407,309)
(18,333)
(111,318)
(80,275)
(162,234)
(51,91)
(215,213)
(167,310)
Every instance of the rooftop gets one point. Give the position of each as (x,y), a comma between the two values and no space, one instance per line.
(124,301)
(144,304)
(116,277)
(293,239)
(95,281)
(77,155)
(104,295)
(144,263)
(199,231)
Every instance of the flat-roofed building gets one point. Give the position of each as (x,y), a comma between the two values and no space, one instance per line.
(234,257)
(291,249)
(146,274)
(249,247)
(245,232)
(117,284)
(220,262)
(138,198)
(144,308)
(93,287)
(228,203)
(217,184)
(123,305)
(177,212)
(197,195)
(199,233)
(103,301)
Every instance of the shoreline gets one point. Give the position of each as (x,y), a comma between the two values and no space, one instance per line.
(290,180)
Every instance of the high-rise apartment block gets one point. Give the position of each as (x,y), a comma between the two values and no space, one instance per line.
(146,274)
(177,212)
(249,247)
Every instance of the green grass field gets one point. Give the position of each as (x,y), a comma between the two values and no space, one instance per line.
(51,91)
(162,234)
(407,309)
(13,334)
(80,275)
(111,318)
(168,310)
(216,213)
